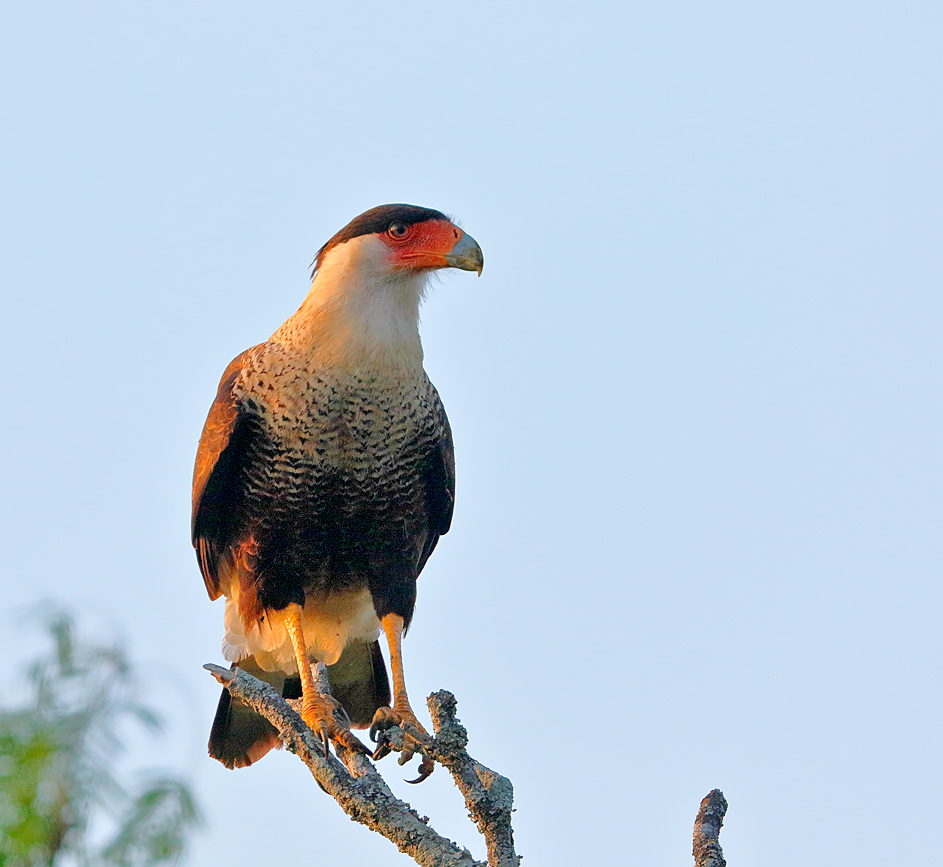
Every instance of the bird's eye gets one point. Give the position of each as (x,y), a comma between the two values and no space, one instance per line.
(398,230)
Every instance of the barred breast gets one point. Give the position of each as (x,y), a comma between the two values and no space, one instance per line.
(335,461)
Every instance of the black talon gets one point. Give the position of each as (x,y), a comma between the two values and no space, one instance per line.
(324,740)
(382,720)
(423,775)
(382,740)
(418,779)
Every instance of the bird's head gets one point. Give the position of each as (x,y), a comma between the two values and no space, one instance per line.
(401,241)
(368,281)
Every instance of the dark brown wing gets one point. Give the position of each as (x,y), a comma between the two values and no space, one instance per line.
(216,458)
(440,489)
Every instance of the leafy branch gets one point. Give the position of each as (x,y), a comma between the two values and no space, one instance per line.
(60,759)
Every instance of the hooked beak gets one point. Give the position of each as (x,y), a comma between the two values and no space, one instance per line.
(466,254)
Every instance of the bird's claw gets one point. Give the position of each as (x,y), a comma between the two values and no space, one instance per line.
(324,740)
(414,737)
(383,744)
(383,719)
(328,721)
(349,740)
(425,769)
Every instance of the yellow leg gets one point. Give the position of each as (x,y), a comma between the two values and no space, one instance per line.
(401,713)
(292,616)
(322,713)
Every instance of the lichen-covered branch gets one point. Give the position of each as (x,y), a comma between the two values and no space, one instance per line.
(489,796)
(358,788)
(707,825)
(363,794)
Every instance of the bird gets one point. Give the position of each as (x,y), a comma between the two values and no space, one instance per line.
(324,477)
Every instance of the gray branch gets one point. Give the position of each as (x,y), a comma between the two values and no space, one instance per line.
(707,825)
(487,794)
(363,794)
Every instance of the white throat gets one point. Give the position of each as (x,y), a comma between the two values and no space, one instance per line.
(358,311)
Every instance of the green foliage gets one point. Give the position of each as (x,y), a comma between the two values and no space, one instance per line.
(59,764)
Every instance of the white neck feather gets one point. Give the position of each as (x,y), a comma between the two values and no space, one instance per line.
(358,313)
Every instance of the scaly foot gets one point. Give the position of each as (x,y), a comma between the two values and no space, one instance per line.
(401,714)
(326,717)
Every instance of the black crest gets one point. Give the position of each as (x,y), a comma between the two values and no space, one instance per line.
(375,220)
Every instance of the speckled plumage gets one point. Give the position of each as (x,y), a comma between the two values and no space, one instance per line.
(336,479)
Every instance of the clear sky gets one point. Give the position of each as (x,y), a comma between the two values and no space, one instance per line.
(695,394)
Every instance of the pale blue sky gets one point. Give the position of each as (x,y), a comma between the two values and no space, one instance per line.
(695,394)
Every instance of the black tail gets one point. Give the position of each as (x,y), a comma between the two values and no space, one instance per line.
(358,681)
(239,735)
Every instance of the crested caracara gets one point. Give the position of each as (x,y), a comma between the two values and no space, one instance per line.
(323,480)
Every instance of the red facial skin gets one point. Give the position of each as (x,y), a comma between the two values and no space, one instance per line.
(424,245)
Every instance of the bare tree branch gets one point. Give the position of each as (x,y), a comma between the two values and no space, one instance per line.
(363,794)
(358,789)
(487,794)
(707,825)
